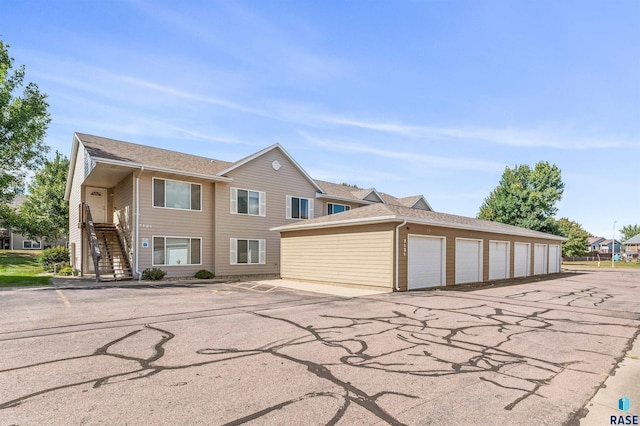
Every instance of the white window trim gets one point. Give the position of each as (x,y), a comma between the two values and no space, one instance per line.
(31,248)
(288,207)
(233,251)
(346,207)
(233,202)
(165,249)
(153,195)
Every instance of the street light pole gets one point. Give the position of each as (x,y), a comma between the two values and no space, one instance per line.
(613,244)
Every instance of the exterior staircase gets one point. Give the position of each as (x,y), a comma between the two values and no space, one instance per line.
(114,264)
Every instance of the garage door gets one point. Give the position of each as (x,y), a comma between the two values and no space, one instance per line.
(554,259)
(468,261)
(521,259)
(498,260)
(540,259)
(426,267)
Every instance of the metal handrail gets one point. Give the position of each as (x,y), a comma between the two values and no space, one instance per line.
(94,247)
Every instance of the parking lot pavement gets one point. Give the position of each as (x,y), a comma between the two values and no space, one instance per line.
(234,353)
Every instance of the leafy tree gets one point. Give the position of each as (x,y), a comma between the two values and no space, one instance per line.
(526,197)
(629,231)
(577,242)
(45,213)
(350,185)
(23,124)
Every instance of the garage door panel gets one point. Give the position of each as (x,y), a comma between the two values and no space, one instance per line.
(425,259)
(540,259)
(521,260)
(498,260)
(468,261)
(554,259)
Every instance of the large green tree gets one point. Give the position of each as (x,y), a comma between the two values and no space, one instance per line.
(629,231)
(45,213)
(23,124)
(577,242)
(526,197)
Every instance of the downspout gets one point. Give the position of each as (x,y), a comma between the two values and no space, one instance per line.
(404,222)
(138,222)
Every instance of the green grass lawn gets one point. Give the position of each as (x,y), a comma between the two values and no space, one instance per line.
(604,264)
(21,268)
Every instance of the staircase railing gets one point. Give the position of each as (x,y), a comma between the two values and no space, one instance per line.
(94,246)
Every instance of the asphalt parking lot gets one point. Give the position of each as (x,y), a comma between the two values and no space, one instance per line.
(235,353)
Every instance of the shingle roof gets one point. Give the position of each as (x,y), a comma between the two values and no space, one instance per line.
(633,240)
(127,152)
(358,194)
(391,213)
(592,240)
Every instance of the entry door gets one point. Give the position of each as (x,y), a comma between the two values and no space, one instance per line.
(498,260)
(97,200)
(425,262)
(521,259)
(554,259)
(468,261)
(540,259)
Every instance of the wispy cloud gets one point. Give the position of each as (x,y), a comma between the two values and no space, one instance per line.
(432,161)
(546,138)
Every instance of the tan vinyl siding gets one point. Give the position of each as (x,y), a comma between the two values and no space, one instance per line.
(163,222)
(258,175)
(75,199)
(451,234)
(361,255)
(123,213)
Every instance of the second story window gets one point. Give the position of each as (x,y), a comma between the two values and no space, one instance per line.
(299,208)
(244,201)
(333,208)
(173,194)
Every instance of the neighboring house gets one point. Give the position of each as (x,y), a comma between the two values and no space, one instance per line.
(632,246)
(142,207)
(10,240)
(605,246)
(594,243)
(152,207)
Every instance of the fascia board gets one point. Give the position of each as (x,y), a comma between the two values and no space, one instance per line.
(350,200)
(161,169)
(336,224)
(72,166)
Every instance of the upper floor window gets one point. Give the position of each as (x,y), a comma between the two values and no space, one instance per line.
(333,208)
(174,194)
(299,208)
(244,201)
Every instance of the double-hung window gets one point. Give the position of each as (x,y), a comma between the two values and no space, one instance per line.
(177,251)
(333,208)
(173,194)
(299,208)
(246,251)
(245,201)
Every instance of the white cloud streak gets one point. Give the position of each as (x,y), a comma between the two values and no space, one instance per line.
(509,137)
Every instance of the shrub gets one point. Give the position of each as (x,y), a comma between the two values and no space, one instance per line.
(49,257)
(66,271)
(203,274)
(153,274)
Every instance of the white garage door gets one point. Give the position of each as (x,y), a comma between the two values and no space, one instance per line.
(521,259)
(468,261)
(540,259)
(554,259)
(498,260)
(426,267)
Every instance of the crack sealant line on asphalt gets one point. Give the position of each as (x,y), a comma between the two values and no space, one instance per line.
(532,304)
(131,322)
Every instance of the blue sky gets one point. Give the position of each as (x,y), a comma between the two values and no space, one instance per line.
(430,97)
